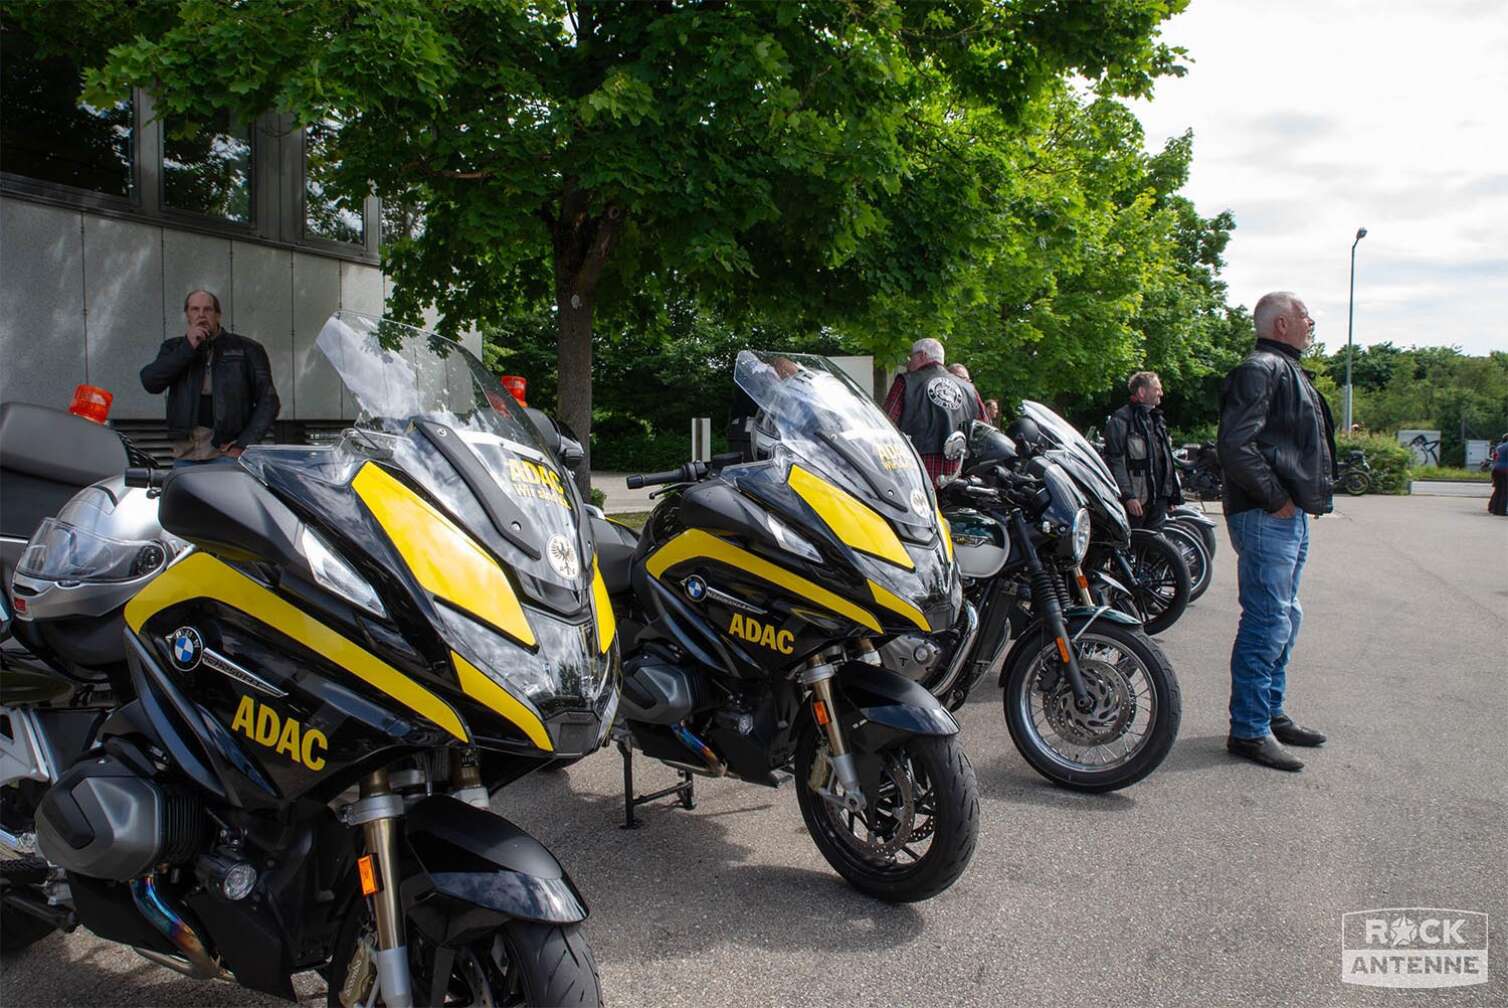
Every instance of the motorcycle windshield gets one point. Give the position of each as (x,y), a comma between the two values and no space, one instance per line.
(816,413)
(450,426)
(1067,437)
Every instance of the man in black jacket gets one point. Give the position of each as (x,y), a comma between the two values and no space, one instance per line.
(219,385)
(1140,453)
(1277,448)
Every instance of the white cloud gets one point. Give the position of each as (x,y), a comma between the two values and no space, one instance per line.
(1314,118)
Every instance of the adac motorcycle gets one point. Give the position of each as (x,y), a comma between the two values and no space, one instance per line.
(1090,700)
(351,648)
(750,609)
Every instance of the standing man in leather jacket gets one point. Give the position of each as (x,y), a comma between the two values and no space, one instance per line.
(1140,454)
(219,385)
(1277,448)
(928,402)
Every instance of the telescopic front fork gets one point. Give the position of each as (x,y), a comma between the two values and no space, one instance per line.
(818,675)
(1045,598)
(377,813)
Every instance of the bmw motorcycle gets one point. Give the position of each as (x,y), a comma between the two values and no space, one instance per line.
(750,610)
(335,656)
(1089,699)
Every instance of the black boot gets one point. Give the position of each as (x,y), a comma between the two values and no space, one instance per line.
(1264,750)
(1289,733)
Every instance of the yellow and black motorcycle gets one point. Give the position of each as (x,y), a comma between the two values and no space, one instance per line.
(751,609)
(355,646)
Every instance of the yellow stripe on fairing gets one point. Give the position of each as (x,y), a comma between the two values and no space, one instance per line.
(480,687)
(200,575)
(694,544)
(607,623)
(853,522)
(896,604)
(444,559)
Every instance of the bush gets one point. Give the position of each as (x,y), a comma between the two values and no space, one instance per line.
(1389,460)
(599,498)
(1450,474)
(646,451)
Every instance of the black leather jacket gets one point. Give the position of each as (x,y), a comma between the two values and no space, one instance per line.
(1140,455)
(1277,437)
(245,400)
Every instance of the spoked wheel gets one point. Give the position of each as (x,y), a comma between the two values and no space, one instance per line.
(1125,731)
(1196,558)
(1206,533)
(1355,483)
(1159,584)
(520,963)
(917,832)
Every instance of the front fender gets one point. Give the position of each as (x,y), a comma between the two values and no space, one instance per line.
(1093,615)
(890,699)
(1075,619)
(477,869)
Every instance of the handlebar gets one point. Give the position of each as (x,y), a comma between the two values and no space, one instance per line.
(151,479)
(688,473)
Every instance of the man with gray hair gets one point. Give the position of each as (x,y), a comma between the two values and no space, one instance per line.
(928,402)
(1140,453)
(1277,448)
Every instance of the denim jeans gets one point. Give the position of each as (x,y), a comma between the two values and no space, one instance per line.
(1271,552)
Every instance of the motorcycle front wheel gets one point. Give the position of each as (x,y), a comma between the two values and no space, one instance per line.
(920,824)
(520,963)
(1195,557)
(1160,582)
(1355,483)
(1130,725)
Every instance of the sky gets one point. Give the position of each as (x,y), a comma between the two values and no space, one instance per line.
(1314,118)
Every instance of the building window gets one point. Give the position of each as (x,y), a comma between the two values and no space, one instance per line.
(46,135)
(327,214)
(206,169)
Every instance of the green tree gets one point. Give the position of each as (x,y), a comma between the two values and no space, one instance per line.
(567,148)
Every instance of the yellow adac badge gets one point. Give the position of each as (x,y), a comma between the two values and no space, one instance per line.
(285,736)
(530,479)
(764,634)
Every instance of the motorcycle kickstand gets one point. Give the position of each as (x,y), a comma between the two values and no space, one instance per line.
(684,790)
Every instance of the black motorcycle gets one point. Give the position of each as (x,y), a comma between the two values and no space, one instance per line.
(335,656)
(1199,471)
(1137,571)
(750,609)
(1355,473)
(1091,702)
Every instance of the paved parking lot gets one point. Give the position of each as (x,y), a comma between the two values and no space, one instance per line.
(1211,883)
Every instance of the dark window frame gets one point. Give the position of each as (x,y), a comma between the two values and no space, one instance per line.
(277,193)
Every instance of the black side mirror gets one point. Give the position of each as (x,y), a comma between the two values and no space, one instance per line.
(571,453)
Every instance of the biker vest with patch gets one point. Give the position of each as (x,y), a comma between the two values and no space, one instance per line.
(937,404)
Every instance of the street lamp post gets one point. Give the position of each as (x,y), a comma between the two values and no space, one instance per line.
(1351,324)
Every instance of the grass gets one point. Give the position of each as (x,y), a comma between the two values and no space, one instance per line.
(633,519)
(1452,475)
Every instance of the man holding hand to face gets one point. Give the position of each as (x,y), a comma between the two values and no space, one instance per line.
(219,385)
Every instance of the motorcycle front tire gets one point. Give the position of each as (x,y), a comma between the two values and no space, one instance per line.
(1356,484)
(1022,672)
(940,758)
(521,962)
(1159,551)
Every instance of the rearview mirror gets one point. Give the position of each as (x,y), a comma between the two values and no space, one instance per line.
(571,453)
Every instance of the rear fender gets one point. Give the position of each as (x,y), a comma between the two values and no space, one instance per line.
(478,870)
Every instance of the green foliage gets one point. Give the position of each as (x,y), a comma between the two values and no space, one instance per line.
(598,497)
(1449,474)
(819,164)
(1431,388)
(1390,461)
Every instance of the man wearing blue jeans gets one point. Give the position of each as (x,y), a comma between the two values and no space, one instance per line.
(1277,448)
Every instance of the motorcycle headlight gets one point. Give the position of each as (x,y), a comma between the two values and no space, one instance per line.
(1080,535)
(336,576)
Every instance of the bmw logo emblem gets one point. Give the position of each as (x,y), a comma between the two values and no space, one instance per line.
(186,646)
(696,588)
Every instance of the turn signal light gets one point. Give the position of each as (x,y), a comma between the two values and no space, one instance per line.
(366,870)
(91,402)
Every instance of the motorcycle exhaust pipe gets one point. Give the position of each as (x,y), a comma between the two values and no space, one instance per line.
(166,919)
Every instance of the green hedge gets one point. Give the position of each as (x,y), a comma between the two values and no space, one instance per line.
(1389,460)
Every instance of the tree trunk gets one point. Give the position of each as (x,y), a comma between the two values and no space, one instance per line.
(583,241)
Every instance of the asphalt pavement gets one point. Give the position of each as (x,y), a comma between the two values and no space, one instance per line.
(1211,883)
